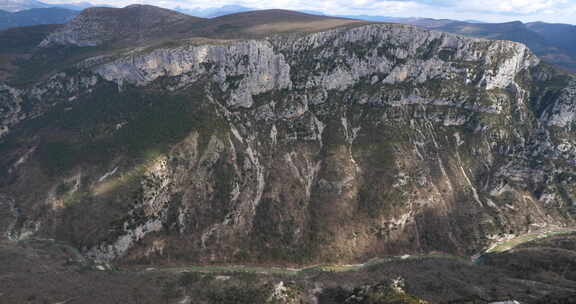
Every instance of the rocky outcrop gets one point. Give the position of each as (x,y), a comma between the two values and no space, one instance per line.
(333,146)
(9,114)
(404,54)
(22,104)
(562,113)
(240,69)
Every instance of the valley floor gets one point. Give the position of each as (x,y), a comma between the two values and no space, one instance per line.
(535,268)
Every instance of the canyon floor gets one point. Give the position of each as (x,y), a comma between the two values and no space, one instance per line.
(538,267)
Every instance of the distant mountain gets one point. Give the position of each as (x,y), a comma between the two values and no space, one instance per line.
(144,24)
(263,22)
(77,6)
(312,12)
(515,31)
(214,11)
(554,43)
(561,35)
(129,25)
(36,16)
(22,5)
(374,18)
(19,5)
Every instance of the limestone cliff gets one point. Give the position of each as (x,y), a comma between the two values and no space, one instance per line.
(339,145)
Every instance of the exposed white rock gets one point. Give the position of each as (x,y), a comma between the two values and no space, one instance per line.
(10,112)
(282,294)
(155,188)
(107,174)
(398,69)
(563,112)
(509,59)
(243,69)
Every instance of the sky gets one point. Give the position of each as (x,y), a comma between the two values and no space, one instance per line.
(554,11)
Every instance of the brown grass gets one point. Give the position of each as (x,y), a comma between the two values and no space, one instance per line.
(313,26)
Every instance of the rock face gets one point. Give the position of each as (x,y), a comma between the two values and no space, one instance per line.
(255,65)
(334,146)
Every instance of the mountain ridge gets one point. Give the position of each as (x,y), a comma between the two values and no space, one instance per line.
(253,24)
(245,79)
(100,25)
(21,5)
(36,16)
(330,144)
(538,35)
(526,34)
(549,41)
(18,5)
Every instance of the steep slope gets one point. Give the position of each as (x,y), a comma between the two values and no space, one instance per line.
(553,43)
(562,35)
(36,16)
(339,145)
(23,40)
(513,31)
(18,45)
